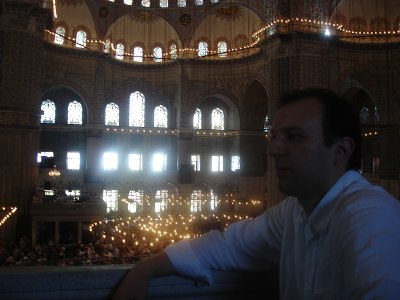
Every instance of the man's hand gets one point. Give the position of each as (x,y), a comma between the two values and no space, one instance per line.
(135,283)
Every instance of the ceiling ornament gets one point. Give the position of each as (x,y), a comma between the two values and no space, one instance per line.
(144,17)
(229,13)
(70,2)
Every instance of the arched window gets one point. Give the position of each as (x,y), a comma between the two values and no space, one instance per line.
(267,124)
(49,112)
(181,3)
(217,119)
(203,49)
(59,36)
(157,53)
(138,54)
(107,46)
(146,3)
(214,1)
(160,116)
(163,3)
(112,114)
(197,119)
(198,2)
(136,109)
(74,112)
(80,39)
(119,53)
(173,52)
(222,49)
(364,115)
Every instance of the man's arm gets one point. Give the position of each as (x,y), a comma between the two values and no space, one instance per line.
(135,283)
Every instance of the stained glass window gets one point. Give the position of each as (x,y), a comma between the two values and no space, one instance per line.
(59,36)
(136,109)
(197,119)
(163,3)
(110,197)
(222,49)
(74,112)
(198,2)
(157,53)
(203,49)
(146,3)
(217,119)
(128,2)
(181,3)
(160,117)
(138,54)
(119,53)
(112,114)
(48,108)
(80,39)
(107,46)
(173,51)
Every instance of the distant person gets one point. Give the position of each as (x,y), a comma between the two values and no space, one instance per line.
(335,236)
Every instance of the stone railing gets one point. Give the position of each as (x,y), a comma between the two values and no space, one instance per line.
(98,282)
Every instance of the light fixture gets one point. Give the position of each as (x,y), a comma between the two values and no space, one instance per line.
(54,173)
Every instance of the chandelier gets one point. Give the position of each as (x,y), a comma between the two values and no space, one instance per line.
(54,173)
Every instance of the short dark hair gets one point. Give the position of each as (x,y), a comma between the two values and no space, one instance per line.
(338,119)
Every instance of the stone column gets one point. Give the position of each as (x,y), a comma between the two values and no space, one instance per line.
(21,59)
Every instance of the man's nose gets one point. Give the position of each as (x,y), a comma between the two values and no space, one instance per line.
(276,147)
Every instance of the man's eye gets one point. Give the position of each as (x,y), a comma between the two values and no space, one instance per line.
(294,136)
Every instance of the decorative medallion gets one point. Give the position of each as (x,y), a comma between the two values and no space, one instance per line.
(144,17)
(103,12)
(229,13)
(185,19)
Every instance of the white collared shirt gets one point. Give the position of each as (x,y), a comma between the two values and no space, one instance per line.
(348,248)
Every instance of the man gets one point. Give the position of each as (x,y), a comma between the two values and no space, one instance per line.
(334,237)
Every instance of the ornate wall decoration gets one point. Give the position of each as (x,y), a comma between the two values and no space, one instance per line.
(313,9)
(19,119)
(229,13)
(358,24)
(144,17)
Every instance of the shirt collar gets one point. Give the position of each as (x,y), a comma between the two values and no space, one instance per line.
(321,217)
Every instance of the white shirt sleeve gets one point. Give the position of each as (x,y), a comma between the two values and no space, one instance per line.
(245,245)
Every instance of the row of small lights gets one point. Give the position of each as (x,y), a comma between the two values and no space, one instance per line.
(155,230)
(13,209)
(257,36)
(160,131)
(368,134)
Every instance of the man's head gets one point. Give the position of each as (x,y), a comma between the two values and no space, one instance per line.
(338,119)
(314,139)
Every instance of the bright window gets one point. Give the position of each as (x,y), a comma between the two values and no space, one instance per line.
(159,162)
(49,112)
(217,119)
(110,197)
(136,109)
(195,201)
(161,199)
(213,201)
(73,160)
(157,54)
(135,162)
(198,2)
(197,119)
(135,203)
(75,194)
(112,114)
(160,116)
(107,46)
(80,39)
(181,3)
(119,53)
(235,163)
(146,3)
(44,154)
(217,163)
(74,112)
(110,161)
(222,49)
(195,161)
(128,2)
(163,3)
(59,36)
(138,54)
(203,49)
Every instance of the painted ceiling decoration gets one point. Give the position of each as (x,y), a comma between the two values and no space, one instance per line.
(70,2)
(144,17)
(229,13)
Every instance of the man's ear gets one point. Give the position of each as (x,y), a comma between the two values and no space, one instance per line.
(344,147)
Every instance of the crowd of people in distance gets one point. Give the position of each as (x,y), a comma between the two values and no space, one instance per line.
(49,254)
